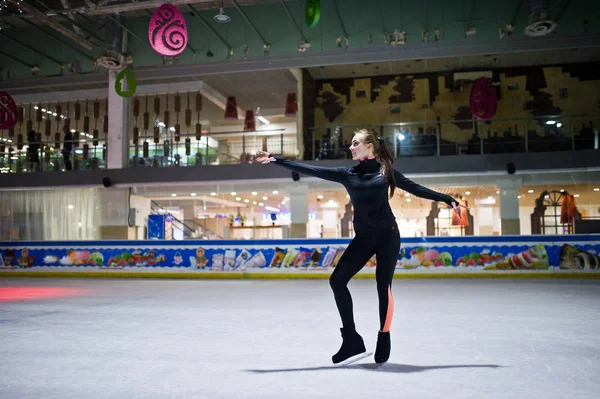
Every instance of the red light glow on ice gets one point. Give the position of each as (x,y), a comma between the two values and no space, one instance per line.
(15,294)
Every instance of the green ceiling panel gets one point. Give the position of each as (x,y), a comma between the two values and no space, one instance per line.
(360,18)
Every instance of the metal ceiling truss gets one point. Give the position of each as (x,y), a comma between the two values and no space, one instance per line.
(207,25)
(54,25)
(412,51)
(60,39)
(59,63)
(266,45)
(102,8)
(304,39)
(16,60)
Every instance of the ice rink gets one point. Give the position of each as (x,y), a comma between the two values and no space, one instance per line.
(451,338)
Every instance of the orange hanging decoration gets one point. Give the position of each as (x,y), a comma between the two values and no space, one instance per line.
(249,122)
(291,105)
(231,108)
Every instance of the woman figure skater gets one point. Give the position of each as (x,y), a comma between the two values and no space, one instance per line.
(376,232)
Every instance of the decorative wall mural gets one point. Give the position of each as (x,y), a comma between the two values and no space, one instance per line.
(167,31)
(518,101)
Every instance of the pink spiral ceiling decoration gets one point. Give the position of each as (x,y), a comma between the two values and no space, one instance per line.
(484,101)
(8,111)
(167,31)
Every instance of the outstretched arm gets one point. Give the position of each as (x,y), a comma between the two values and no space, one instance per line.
(331,174)
(423,192)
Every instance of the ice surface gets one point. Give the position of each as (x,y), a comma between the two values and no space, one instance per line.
(274,339)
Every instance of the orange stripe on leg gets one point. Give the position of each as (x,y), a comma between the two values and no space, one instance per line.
(390,311)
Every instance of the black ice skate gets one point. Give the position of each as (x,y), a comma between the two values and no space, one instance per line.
(352,350)
(384,345)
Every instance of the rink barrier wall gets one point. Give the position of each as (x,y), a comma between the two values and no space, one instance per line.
(560,256)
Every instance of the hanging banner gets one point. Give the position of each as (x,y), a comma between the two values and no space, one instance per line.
(8,111)
(167,31)
(125,83)
(312,12)
(484,101)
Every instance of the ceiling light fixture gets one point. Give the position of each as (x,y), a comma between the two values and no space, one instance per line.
(263,120)
(221,17)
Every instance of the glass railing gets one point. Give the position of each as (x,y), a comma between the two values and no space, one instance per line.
(44,157)
(410,139)
(214,149)
(467,137)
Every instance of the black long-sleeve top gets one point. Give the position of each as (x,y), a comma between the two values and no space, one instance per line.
(368,189)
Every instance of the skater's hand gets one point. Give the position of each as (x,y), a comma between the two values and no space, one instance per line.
(264,157)
(456,206)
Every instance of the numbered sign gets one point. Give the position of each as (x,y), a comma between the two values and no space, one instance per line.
(167,31)
(125,84)
(8,111)
(312,12)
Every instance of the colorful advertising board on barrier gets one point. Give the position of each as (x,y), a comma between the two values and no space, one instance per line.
(417,255)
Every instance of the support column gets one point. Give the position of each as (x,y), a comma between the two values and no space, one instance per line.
(117,143)
(509,205)
(299,210)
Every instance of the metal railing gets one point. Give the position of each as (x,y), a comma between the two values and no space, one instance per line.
(190,228)
(45,157)
(464,137)
(405,139)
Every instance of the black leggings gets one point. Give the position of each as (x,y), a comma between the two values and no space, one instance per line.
(385,244)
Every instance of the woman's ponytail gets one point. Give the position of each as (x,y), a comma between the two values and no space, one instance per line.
(387,161)
(383,154)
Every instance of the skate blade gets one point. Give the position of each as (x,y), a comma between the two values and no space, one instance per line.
(353,359)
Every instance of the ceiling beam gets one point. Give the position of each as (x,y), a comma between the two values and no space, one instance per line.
(207,25)
(265,43)
(560,14)
(218,99)
(59,63)
(70,15)
(289,13)
(17,60)
(59,39)
(103,9)
(54,25)
(516,14)
(337,12)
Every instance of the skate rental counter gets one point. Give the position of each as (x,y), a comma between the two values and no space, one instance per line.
(495,256)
